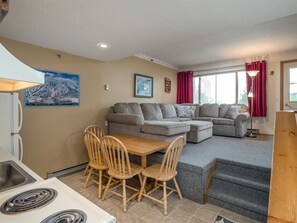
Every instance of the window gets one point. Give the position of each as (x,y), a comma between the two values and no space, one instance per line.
(288,93)
(196,89)
(222,88)
(242,91)
(293,85)
(208,91)
(226,88)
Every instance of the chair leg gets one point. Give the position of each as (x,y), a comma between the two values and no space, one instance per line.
(106,188)
(164,198)
(124,196)
(88,178)
(140,179)
(86,170)
(100,184)
(142,188)
(177,188)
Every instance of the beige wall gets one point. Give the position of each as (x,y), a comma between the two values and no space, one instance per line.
(52,136)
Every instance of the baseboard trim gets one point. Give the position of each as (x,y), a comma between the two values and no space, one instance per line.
(67,170)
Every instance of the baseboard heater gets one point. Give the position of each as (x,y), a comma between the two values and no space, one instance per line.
(67,170)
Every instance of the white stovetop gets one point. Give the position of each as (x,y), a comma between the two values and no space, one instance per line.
(66,199)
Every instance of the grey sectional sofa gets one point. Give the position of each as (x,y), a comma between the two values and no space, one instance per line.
(166,121)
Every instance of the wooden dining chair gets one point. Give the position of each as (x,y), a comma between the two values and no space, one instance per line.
(99,132)
(119,167)
(97,161)
(164,172)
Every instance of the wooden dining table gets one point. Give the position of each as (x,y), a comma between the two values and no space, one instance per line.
(141,146)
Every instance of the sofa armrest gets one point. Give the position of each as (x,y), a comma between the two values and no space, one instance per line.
(242,117)
(131,119)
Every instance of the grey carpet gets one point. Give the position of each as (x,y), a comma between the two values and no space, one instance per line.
(257,152)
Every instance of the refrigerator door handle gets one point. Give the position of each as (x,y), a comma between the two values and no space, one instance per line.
(21,148)
(20,116)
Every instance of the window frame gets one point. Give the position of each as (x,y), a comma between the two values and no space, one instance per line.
(290,87)
(216,74)
(282,73)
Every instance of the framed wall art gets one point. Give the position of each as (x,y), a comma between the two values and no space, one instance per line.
(143,86)
(167,85)
(59,89)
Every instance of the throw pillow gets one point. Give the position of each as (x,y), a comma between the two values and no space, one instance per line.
(185,111)
(233,111)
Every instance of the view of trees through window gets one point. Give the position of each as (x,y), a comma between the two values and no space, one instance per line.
(242,91)
(293,85)
(222,88)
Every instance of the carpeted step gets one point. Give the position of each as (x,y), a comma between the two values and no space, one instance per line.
(242,192)
(242,188)
(238,198)
(247,181)
(239,202)
(236,205)
(246,171)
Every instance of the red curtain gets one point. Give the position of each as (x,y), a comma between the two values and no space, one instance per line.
(259,90)
(185,87)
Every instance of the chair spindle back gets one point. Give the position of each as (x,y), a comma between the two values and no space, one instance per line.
(116,156)
(170,160)
(95,129)
(93,145)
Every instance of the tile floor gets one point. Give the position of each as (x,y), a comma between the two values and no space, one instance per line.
(148,211)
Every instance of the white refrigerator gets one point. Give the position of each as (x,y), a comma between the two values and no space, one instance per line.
(10,124)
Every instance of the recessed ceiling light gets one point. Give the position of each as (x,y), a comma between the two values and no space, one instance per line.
(103,45)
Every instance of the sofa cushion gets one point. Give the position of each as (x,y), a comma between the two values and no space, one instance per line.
(209,110)
(197,111)
(184,119)
(185,111)
(168,111)
(177,119)
(128,108)
(199,125)
(233,111)
(151,111)
(208,119)
(130,119)
(166,128)
(223,110)
(223,121)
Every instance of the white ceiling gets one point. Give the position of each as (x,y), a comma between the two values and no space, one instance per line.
(179,32)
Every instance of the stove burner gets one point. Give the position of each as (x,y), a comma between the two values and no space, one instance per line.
(67,216)
(29,200)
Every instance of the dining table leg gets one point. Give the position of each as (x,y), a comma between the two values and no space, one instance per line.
(143,161)
(150,185)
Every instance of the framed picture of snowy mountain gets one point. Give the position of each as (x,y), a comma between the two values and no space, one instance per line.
(59,89)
